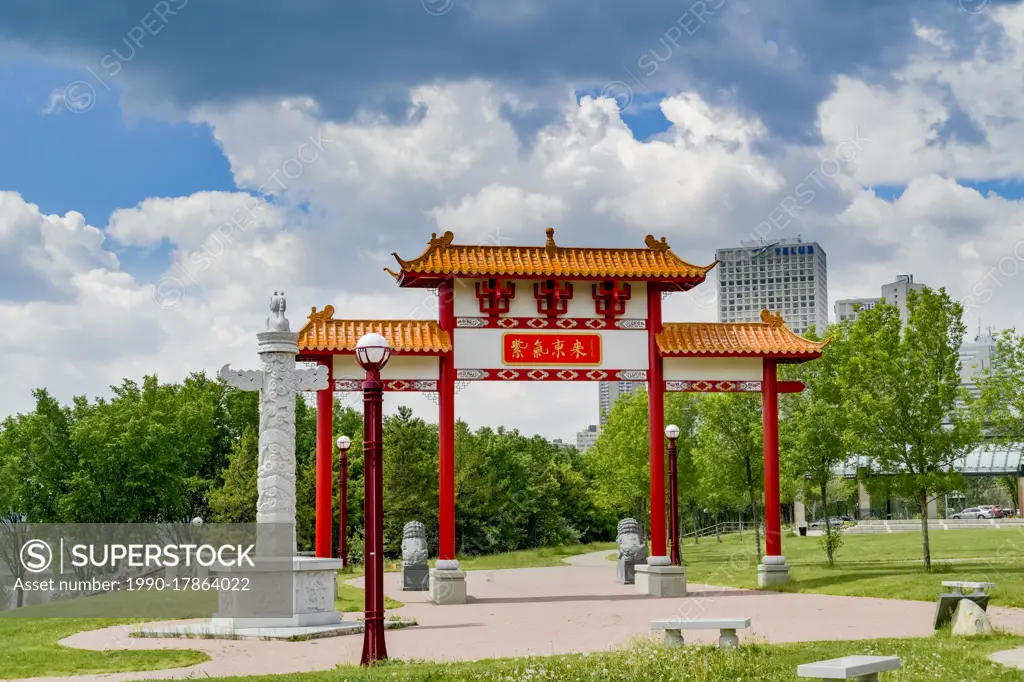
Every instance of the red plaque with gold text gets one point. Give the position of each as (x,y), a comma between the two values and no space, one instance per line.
(536,349)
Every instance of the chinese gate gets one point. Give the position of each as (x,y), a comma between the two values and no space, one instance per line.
(552,313)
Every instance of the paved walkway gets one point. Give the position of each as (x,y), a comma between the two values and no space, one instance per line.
(543,611)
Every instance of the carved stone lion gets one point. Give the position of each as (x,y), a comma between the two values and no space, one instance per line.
(631,544)
(414,544)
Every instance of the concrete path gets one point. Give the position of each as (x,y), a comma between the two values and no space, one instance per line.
(543,611)
(1013,658)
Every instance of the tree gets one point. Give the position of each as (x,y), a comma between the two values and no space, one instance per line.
(619,460)
(730,454)
(410,474)
(235,500)
(904,387)
(1000,406)
(817,421)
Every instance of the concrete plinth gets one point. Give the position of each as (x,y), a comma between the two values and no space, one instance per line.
(415,578)
(313,588)
(625,572)
(772,571)
(447,586)
(661,581)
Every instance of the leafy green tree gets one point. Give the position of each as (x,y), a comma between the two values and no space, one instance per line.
(817,421)
(730,450)
(905,384)
(410,474)
(1000,407)
(235,500)
(620,460)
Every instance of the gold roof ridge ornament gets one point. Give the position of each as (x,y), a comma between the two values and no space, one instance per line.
(324,315)
(772,320)
(655,245)
(549,244)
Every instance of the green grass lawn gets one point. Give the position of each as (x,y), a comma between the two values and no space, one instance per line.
(530,558)
(28,648)
(884,565)
(935,658)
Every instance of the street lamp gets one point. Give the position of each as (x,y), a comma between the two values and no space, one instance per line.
(344,443)
(672,432)
(372,354)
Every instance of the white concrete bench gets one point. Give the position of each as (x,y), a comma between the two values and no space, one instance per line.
(727,638)
(959,586)
(859,668)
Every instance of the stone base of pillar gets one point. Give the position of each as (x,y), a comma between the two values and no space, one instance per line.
(415,578)
(772,571)
(447,586)
(625,572)
(256,596)
(661,581)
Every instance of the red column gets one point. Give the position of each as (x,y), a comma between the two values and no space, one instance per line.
(656,421)
(446,427)
(374,648)
(324,451)
(770,414)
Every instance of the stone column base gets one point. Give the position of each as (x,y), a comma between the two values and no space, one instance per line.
(447,587)
(661,581)
(772,571)
(313,587)
(415,578)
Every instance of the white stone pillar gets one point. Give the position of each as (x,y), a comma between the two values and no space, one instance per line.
(863,501)
(933,509)
(799,515)
(275,475)
(312,581)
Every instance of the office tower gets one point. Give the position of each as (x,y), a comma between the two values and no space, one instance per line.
(975,359)
(784,275)
(609,392)
(893,292)
(586,438)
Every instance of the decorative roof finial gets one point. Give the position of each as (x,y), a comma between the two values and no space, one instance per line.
(549,245)
(772,320)
(276,321)
(655,245)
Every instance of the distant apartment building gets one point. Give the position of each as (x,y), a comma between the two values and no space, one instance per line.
(789,276)
(586,438)
(894,292)
(559,443)
(975,359)
(609,392)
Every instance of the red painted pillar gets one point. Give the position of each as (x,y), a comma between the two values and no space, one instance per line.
(324,451)
(374,648)
(770,414)
(446,429)
(656,421)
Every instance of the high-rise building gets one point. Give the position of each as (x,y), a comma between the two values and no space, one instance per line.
(849,308)
(893,292)
(975,359)
(609,392)
(586,438)
(788,276)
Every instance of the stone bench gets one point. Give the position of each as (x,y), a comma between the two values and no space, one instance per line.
(959,586)
(860,668)
(946,605)
(727,638)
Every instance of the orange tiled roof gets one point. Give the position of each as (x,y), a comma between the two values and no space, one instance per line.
(442,257)
(770,337)
(323,332)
